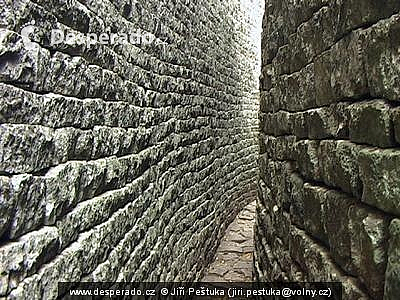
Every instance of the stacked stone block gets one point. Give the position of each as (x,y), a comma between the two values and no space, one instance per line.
(329,188)
(122,162)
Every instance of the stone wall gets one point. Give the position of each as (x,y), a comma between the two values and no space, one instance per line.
(122,162)
(329,188)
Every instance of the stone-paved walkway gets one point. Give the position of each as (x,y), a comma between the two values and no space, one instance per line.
(234,258)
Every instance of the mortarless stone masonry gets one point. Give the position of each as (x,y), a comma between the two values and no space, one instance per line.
(329,190)
(123,162)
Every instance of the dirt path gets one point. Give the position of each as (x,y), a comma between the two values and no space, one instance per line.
(234,258)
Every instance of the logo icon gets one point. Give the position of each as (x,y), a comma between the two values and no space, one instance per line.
(26,31)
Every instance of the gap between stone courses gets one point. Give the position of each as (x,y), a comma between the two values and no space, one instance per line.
(234,257)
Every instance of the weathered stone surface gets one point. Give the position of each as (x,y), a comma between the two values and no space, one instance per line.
(338,164)
(340,72)
(371,123)
(311,38)
(280,148)
(281,19)
(327,23)
(368,248)
(379,171)
(29,204)
(392,276)
(321,123)
(17,140)
(324,92)
(298,86)
(353,67)
(296,192)
(6,205)
(336,224)
(266,102)
(361,13)
(381,58)
(307,159)
(327,122)
(24,258)
(316,263)
(276,123)
(396,121)
(331,162)
(314,204)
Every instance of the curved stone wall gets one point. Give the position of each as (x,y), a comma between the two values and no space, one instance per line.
(329,192)
(122,162)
